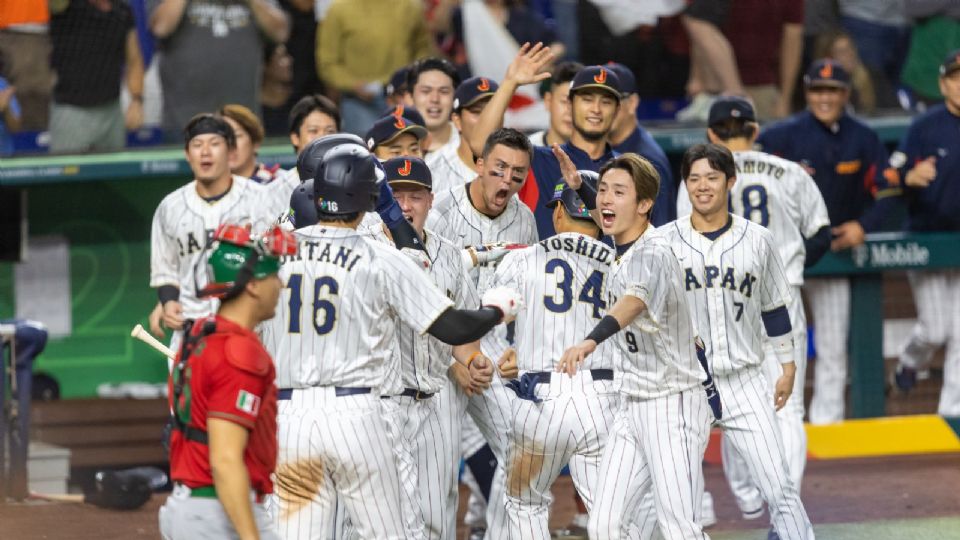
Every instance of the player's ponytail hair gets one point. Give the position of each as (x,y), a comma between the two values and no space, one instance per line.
(646,179)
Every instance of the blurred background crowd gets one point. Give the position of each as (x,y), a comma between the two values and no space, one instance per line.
(99,75)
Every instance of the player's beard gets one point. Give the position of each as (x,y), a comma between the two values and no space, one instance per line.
(592,136)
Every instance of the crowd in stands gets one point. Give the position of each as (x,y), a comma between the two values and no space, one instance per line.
(89,71)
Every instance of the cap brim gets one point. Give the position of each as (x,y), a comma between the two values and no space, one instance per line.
(417,131)
(947,70)
(827,83)
(603,87)
(410,182)
(475,100)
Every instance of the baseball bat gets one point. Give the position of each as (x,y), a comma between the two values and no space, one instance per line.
(141,334)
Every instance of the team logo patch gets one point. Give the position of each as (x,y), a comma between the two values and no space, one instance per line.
(827,70)
(848,167)
(248,403)
(327,206)
(601,78)
(371,143)
(484,85)
(400,123)
(735,113)
(405,170)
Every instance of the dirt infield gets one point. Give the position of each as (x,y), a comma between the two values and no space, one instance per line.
(834,492)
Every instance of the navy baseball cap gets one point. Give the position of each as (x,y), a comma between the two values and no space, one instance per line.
(601,77)
(389,128)
(628,83)
(826,72)
(572,203)
(731,107)
(409,113)
(951,63)
(473,90)
(408,170)
(398,82)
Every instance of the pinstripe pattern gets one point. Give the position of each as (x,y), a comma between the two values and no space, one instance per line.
(448,170)
(279,191)
(829,299)
(181,226)
(746,279)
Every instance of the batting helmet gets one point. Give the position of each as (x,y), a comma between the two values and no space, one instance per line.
(238,258)
(303,209)
(347,181)
(310,158)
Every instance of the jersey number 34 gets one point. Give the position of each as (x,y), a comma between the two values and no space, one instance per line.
(562,300)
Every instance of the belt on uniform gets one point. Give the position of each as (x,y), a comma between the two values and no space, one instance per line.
(340,391)
(412,392)
(597,374)
(525,386)
(210,492)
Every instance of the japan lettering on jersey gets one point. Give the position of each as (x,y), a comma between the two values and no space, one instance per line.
(335,320)
(454,216)
(421,359)
(183,225)
(779,195)
(563,282)
(729,282)
(657,350)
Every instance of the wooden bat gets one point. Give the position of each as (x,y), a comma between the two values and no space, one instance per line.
(141,334)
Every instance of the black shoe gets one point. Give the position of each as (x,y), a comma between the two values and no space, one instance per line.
(905,378)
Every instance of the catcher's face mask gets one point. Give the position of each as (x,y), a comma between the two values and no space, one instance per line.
(236,257)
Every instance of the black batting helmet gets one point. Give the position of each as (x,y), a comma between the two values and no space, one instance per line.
(302,208)
(312,155)
(347,181)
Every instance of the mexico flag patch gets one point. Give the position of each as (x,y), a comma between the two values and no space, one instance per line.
(248,403)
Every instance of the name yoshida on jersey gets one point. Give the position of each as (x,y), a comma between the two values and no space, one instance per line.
(729,283)
(183,225)
(563,282)
(335,322)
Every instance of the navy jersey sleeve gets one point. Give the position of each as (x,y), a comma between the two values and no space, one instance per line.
(881,181)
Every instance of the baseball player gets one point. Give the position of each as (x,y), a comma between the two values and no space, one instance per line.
(223,448)
(312,117)
(558,420)
(481,212)
(779,195)
(555,92)
(849,164)
(927,159)
(657,439)
(430,86)
(627,135)
(343,294)
(186,219)
(737,289)
(395,135)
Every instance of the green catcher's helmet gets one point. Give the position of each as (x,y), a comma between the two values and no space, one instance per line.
(238,257)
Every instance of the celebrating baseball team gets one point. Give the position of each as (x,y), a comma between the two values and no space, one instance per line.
(433,294)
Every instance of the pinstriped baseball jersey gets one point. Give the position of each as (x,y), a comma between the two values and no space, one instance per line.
(657,350)
(455,217)
(563,282)
(335,320)
(779,195)
(422,358)
(182,226)
(729,282)
(279,191)
(448,170)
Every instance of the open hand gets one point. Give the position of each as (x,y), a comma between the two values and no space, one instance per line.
(527,66)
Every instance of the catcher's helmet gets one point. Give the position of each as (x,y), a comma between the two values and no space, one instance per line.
(347,181)
(310,158)
(237,258)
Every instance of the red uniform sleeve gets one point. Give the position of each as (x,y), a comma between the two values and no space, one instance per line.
(235,394)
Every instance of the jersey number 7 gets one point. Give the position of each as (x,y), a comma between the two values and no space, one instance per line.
(562,300)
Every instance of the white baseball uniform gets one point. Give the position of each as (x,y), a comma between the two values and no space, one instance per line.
(779,195)
(563,282)
(730,281)
(332,339)
(655,446)
(448,170)
(182,226)
(462,224)
(280,190)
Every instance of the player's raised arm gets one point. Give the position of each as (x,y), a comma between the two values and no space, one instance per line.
(620,315)
(575,179)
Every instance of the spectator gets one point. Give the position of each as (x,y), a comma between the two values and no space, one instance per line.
(935,33)
(555,92)
(713,66)
(523,24)
(627,135)
(881,31)
(302,47)
(10,121)
(929,163)
(849,164)
(276,90)
(93,42)
(249,133)
(767,40)
(869,90)
(212,53)
(25,48)
(360,45)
